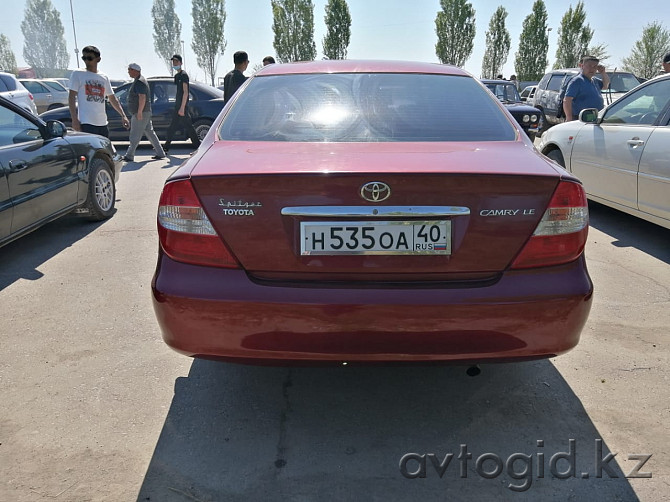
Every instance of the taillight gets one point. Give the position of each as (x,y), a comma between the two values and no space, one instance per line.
(184,230)
(560,236)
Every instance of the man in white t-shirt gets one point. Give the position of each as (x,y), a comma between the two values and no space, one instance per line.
(89,87)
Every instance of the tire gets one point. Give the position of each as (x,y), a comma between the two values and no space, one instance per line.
(101,191)
(557,157)
(202,128)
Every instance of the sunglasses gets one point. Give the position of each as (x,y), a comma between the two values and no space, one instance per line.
(88,58)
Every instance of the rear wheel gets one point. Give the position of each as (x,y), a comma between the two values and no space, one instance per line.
(202,128)
(557,157)
(101,191)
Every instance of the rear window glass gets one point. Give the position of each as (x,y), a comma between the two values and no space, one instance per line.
(9,83)
(365,107)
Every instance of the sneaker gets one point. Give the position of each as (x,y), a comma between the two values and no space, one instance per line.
(128,159)
(158,157)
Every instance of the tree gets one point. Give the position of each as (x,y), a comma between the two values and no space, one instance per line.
(167,31)
(293,26)
(44,47)
(530,62)
(497,45)
(7,58)
(574,37)
(455,29)
(338,29)
(599,51)
(647,53)
(209,16)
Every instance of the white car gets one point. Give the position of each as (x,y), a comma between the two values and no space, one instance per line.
(622,153)
(13,90)
(48,94)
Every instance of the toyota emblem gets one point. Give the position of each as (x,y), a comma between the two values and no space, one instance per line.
(375,191)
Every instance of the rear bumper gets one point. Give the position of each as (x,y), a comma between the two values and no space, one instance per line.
(220,313)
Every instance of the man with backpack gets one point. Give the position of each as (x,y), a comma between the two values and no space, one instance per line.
(584,90)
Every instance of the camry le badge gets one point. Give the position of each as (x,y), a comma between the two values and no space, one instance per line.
(375,191)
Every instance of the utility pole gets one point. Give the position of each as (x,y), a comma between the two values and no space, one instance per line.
(74,30)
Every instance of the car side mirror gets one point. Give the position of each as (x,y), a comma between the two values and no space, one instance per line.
(56,129)
(589,115)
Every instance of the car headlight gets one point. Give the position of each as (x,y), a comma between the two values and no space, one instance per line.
(533,118)
(526,118)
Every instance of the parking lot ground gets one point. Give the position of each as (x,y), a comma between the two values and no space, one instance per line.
(96,407)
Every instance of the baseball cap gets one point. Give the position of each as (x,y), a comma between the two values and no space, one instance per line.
(134,66)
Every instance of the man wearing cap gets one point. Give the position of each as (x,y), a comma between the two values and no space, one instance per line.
(665,64)
(139,106)
(585,91)
(235,77)
(180,116)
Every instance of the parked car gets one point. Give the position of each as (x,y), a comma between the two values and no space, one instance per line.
(47,95)
(13,90)
(529,118)
(370,211)
(547,94)
(528,93)
(118,83)
(621,154)
(46,172)
(205,104)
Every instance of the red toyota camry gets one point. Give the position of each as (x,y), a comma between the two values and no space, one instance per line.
(370,211)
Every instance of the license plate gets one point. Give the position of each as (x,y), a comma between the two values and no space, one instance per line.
(375,237)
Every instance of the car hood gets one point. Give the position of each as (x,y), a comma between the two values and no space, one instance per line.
(521,108)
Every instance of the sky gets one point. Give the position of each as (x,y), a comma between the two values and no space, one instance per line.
(380,29)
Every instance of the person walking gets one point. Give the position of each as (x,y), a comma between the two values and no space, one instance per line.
(139,106)
(235,77)
(584,90)
(86,100)
(180,116)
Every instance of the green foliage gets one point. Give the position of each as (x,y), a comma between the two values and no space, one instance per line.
(455,29)
(293,26)
(167,31)
(338,29)
(44,47)
(574,37)
(209,16)
(647,53)
(7,58)
(498,43)
(530,62)
(599,51)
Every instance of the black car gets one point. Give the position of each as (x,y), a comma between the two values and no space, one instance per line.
(528,117)
(47,171)
(205,104)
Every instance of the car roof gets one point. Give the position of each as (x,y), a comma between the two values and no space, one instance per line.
(18,109)
(360,66)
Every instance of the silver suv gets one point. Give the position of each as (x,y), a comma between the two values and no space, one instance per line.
(13,90)
(546,95)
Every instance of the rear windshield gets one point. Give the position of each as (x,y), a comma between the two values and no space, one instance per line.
(365,107)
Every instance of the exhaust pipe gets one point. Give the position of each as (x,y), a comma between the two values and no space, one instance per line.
(473,370)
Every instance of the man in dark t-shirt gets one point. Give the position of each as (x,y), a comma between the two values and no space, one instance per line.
(139,106)
(235,78)
(180,116)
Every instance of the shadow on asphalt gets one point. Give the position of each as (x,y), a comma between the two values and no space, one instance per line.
(240,433)
(631,231)
(21,258)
